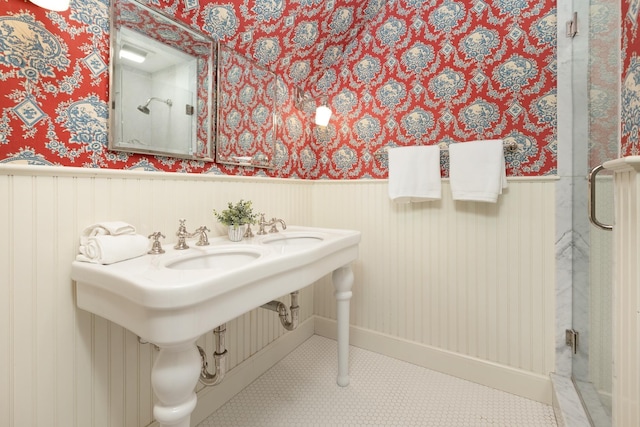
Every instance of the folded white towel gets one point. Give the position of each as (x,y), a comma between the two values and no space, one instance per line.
(414,174)
(477,170)
(107,249)
(106,228)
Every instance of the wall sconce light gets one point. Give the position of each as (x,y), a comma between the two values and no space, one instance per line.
(133,53)
(55,5)
(323,114)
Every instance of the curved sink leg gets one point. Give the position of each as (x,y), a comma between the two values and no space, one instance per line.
(174,378)
(342,282)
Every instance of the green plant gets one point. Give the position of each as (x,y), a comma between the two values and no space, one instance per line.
(239,214)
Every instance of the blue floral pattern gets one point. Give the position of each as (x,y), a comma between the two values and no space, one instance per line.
(447,16)
(267,50)
(417,122)
(631,102)
(345,158)
(391,94)
(86,121)
(480,116)
(515,72)
(220,21)
(391,32)
(513,7)
(418,57)
(26,45)
(299,71)
(478,44)
(367,68)
(341,20)
(345,101)
(268,10)
(367,128)
(306,34)
(447,84)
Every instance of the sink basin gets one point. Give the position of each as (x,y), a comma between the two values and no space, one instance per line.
(294,240)
(220,260)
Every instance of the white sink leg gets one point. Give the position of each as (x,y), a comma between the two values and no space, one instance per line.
(342,282)
(174,378)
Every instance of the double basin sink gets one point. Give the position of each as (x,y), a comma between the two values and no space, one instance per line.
(172,299)
(179,295)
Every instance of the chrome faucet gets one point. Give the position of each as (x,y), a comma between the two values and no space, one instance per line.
(182,234)
(156,246)
(273,224)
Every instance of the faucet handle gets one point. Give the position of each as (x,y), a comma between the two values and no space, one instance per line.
(274,222)
(261,225)
(203,240)
(156,246)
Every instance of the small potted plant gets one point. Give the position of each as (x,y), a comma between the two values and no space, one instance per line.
(236,217)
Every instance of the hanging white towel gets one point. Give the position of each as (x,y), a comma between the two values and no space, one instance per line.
(477,170)
(414,174)
(108,249)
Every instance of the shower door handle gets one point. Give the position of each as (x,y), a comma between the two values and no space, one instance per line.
(592,199)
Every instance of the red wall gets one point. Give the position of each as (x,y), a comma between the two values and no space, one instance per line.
(630,144)
(440,72)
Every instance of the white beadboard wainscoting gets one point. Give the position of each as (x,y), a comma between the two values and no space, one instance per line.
(464,288)
(460,287)
(61,366)
(626,292)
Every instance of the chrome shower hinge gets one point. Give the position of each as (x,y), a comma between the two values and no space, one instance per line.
(572,26)
(571,339)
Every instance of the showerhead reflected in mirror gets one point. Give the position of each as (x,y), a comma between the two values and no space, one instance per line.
(164,70)
(145,108)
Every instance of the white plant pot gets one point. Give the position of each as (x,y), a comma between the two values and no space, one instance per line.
(236,232)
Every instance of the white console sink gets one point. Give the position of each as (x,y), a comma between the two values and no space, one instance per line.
(173,298)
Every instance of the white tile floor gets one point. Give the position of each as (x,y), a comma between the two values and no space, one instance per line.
(301,390)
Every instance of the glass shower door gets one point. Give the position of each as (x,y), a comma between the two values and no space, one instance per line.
(596,136)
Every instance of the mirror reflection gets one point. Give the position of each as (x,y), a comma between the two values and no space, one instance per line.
(246,111)
(161,84)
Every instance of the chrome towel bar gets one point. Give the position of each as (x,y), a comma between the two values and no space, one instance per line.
(384,151)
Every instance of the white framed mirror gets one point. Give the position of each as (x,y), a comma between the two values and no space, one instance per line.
(161,84)
(246,128)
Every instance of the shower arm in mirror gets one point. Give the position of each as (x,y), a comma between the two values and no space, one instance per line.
(161,84)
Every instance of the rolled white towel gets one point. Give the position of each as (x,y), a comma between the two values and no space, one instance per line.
(108,249)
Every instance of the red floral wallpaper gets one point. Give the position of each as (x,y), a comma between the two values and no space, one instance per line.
(452,72)
(604,81)
(400,73)
(630,143)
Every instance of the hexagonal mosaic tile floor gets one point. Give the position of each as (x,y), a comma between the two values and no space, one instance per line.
(300,390)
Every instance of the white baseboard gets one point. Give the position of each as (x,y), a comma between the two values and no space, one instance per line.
(515,381)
